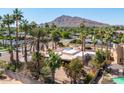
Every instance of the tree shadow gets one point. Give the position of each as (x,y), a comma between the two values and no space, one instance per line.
(2,77)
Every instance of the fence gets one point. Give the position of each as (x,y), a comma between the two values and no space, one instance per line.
(23,79)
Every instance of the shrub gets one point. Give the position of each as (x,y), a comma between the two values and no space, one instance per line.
(11,67)
(65,35)
(61,44)
(77,41)
(2,64)
(2,67)
(100,56)
(74,70)
(36,56)
(14,66)
(88,78)
(1,73)
(98,60)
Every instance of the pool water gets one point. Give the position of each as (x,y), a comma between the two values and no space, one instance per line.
(67,49)
(118,80)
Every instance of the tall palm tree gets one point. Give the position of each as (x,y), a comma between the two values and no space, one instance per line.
(25,27)
(38,53)
(101,32)
(39,36)
(83,35)
(17,14)
(107,38)
(47,27)
(2,26)
(47,30)
(33,25)
(94,38)
(54,35)
(8,20)
(55,38)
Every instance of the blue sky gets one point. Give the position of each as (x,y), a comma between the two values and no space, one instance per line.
(41,15)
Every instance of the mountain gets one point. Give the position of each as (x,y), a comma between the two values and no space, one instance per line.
(68,21)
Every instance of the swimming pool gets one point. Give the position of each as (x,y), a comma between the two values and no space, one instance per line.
(67,49)
(119,80)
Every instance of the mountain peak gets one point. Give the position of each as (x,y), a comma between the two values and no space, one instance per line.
(69,21)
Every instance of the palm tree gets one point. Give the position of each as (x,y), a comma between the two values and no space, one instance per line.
(45,36)
(39,36)
(53,62)
(94,39)
(55,38)
(2,26)
(47,30)
(55,35)
(107,38)
(101,33)
(37,52)
(25,27)
(47,27)
(33,26)
(83,35)
(8,20)
(17,14)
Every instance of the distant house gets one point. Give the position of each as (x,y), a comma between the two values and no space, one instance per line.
(69,54)
(120,31)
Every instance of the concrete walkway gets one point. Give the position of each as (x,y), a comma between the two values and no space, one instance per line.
(61,76)
(9,81)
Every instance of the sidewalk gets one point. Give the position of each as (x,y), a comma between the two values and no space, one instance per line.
(9,81)
(61,76)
